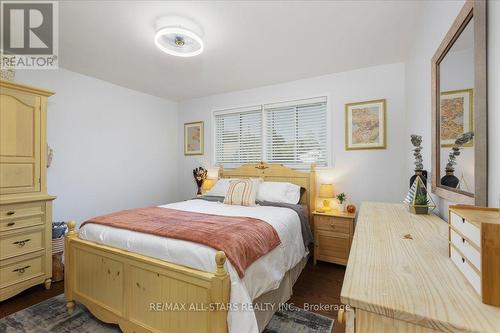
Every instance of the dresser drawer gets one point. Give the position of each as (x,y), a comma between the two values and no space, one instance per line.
(17,223)
(21,243)
(334,224)
(332,247)
(21,271)
(466,228)
(466,269)
(21,210)
(467,249)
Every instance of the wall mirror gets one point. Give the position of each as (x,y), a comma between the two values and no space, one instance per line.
(459,120)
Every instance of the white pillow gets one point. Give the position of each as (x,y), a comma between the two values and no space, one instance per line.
(280,192)
(220,188)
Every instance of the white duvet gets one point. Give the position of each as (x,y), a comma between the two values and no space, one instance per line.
(263,275)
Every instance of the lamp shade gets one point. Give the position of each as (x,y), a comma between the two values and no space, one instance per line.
(326,191)
(207,184)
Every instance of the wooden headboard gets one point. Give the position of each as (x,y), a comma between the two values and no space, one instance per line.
(279,173)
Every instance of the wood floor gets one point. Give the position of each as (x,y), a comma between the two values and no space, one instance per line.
(30,297)
(320,285)
(317,285)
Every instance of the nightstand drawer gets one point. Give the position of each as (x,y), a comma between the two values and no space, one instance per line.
(332,223)
(331,247)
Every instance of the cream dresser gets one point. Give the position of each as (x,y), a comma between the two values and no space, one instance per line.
(399,278)
(25,206)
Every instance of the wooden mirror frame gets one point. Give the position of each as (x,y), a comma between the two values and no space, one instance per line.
(472,9)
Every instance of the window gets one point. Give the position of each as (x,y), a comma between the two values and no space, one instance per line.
(238,136)
(291,133)
(296,133)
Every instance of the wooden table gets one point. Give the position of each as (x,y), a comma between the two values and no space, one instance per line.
(399,277)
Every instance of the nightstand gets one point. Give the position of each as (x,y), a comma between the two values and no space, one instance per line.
(333,233)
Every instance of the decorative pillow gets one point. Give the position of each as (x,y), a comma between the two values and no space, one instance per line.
(242,192)
(220,188)
(280,192)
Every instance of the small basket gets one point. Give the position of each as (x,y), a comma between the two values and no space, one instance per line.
(58,245)
(57,259)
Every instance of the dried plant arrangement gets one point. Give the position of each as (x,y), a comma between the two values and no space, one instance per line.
(455,150)
(199,174)
(416,141)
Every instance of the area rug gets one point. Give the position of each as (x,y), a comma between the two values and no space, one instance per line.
(51,316)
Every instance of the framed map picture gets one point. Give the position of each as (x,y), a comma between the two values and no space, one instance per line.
(365,126)
(457,116)
(193,138)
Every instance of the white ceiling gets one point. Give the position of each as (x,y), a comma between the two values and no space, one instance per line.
(247,44)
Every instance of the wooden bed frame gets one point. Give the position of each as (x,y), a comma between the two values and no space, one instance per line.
(143,294)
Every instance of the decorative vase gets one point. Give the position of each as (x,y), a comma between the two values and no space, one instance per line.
(450,179)
(341,207)
(422,174)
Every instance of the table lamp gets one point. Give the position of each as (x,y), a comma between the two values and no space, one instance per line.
(207,184)
(326,193)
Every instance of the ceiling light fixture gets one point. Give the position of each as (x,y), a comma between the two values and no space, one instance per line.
(178,41)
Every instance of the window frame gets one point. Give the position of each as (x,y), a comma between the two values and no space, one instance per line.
(238,109)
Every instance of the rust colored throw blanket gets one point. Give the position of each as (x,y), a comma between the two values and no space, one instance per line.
(243,239)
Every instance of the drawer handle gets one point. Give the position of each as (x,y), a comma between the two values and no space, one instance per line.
(11,212)
(22,269)
(10,224)
(332,225)
(463,240)
(463,260)
(22,243)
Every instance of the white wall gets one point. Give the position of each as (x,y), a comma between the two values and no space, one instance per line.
(377,175)
(436,18)
(113,146)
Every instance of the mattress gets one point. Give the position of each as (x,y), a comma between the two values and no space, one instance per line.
(264,275)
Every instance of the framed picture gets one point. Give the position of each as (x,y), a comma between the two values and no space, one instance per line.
(365,126)
(193,138)
(456,116)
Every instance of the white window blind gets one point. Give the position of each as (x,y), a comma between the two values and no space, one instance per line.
(238,136)
(296,133)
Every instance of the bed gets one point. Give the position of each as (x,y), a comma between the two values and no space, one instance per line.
(149,284)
